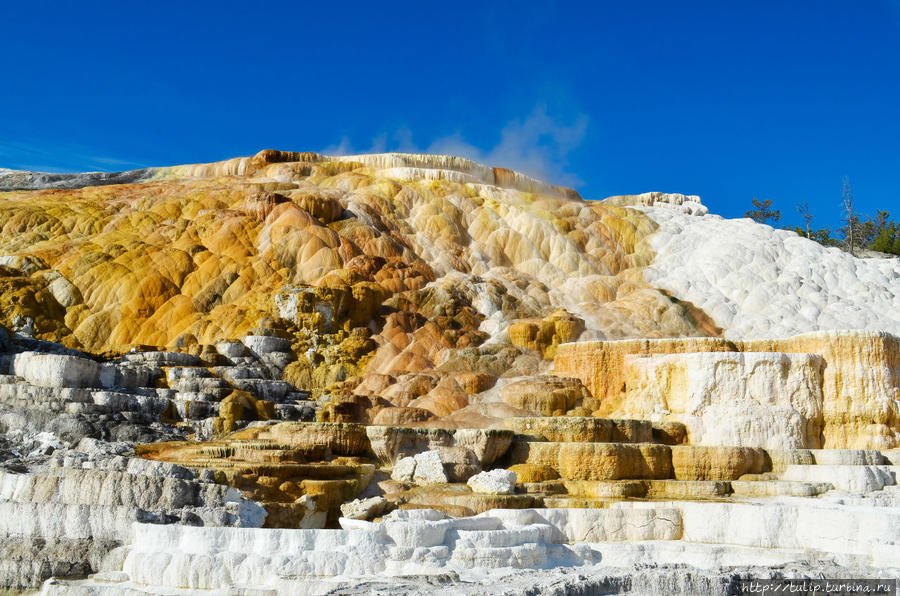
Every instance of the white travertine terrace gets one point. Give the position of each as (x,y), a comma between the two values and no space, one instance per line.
(707,536)
(759,282)
(755,399)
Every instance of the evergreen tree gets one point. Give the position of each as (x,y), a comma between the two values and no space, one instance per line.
(888,239)
(762,212)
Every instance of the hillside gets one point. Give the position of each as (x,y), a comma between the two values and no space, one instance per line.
(480,378)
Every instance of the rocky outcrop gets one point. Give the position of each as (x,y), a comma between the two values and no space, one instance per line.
(583,430)
(495,482)
(545,395)
(545,335)
(68,515)
(855,400)
(771,400)
(392,443)
(756,282)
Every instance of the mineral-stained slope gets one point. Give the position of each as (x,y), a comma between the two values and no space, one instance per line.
(427,253)
(206,370)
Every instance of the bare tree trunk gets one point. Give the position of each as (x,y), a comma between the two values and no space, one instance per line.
(847,196)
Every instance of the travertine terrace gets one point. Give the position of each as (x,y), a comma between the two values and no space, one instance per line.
(401,373)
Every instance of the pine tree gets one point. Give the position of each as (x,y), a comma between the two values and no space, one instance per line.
(886,239)
(762,212)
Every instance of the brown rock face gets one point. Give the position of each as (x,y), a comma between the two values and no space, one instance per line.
(583,430)
(316,439)
(401,416)
(614,461)
(390,443)
(526,473)
(545,395)
(460,463)
(716,463)
(545,335)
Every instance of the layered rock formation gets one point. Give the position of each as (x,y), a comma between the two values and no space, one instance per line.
(828,389)
(299,373)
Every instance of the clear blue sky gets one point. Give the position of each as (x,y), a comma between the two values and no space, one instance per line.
(728,100)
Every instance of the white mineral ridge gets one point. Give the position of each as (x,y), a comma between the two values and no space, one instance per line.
(759,282)
(495,482)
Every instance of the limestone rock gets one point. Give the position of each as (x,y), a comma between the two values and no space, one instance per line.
(858,388)
(365,508)
(317,439)
(459,463)
(404,468)
(429,468)
(715,463)
(401,416)
(750,399)
(544,335)
(51,370)
(576,429)
(390,443)
(613,461)
(544,395)
(528,473)
(767,283)
(495,482)
(687,204)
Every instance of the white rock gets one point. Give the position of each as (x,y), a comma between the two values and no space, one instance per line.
(759,282)
(745,399)
(855,479)
(365,508)
(56,370)
(429,469)
(404,469)
(265,344)
(44,443)
(63,290)
(495,482)
(231,349)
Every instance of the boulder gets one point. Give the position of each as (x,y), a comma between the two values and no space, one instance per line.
(403,470)
(266,344)
(366,508)
(545,395)
(614,461)
(56,370)
(429,469)
(390,443)
(545,335)
(460,463)
(495,482)
(691,462)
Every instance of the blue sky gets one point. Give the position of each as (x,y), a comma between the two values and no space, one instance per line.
(728,100)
